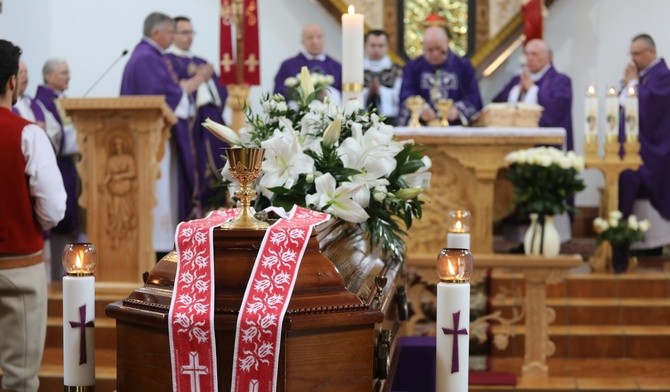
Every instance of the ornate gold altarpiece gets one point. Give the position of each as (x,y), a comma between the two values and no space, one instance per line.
(466,164)
(121,142)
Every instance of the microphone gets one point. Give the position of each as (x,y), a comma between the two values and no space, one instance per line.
(125,52)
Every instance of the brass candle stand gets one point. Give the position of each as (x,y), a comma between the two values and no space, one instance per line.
(245,166)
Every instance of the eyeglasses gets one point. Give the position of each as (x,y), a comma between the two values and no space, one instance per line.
(186,32)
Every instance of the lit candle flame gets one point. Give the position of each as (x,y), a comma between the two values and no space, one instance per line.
(79,260)
(631,91)
(351,9)
(611,92)
(450,268)
(591,90)
(458,226)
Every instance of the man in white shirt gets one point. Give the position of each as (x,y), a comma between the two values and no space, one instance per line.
(32,199)
(383,78)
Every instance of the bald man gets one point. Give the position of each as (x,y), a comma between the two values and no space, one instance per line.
(437,74)
(313,57)
(540,83)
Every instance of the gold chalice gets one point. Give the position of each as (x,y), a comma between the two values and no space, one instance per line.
(415,105)
(443,106)
(245,165)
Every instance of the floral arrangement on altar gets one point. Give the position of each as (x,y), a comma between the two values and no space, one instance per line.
(318,81)
(544,178)
(620,231)
(341,160)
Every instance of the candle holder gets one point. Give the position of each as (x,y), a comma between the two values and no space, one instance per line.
(632,149)
(590,146)
(612,148)
(245,166)
(79,260)
(415,105)
(443,106)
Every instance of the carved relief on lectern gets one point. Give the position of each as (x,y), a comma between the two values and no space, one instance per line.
(451,188)
(118,189)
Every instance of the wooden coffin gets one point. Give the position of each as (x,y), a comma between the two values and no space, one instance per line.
(332,340)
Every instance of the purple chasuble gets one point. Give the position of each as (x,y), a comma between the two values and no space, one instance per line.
(209,149)
(149,72)
(291,68)
(652,180)
(70,223)
(555,96)
(455,79)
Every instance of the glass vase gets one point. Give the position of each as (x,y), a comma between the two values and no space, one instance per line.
(542,237)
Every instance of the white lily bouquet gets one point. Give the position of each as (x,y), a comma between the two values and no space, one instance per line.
(340,160)
(318,81)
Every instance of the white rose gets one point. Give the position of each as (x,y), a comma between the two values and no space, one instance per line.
(644,225)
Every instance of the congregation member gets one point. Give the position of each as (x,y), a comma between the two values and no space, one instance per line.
(32,197)
(645,192)
(440,74)
(381,76)
(26,106)
(540,83)
(206,102)
(63,135)
(150,72)
(316,61)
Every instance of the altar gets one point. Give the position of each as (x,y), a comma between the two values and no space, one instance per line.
(466,165)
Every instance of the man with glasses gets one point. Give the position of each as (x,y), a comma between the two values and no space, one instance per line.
(645,192)
(150,72)
(207,102)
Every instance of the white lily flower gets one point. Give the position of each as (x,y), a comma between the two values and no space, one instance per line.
(306,82)
(332,134)
(337,201)
(284,161)
(222,132)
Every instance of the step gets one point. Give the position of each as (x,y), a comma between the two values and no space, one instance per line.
(590,375)
(595,341)
(105,333)
(599,311)
(647,284)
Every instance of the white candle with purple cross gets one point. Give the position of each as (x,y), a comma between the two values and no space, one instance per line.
(79,261)
(454,267)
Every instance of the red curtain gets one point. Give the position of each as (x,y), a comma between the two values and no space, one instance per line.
(532,19)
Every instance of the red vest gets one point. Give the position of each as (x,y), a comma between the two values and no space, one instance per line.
(20,232)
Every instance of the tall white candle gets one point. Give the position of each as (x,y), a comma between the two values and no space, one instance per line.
(452,336)
(632,117)
(612,114)
(352,55)
(591,115)
(79,317)
(78,330)
(454,267)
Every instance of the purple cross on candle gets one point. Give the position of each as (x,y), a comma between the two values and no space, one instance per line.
(455,332)
(82,324)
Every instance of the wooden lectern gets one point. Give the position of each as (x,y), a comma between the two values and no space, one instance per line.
(121,141)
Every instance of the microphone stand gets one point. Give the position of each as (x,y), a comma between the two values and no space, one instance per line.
(125,52)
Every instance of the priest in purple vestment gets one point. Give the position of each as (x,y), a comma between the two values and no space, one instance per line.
(209,101)
(540,83)
(314,59)
(650,184)
(150,72)
(56,74)
(437,74)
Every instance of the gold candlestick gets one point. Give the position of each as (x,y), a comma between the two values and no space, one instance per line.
(245,165)
(612,148)
(415,105)
(443,106)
